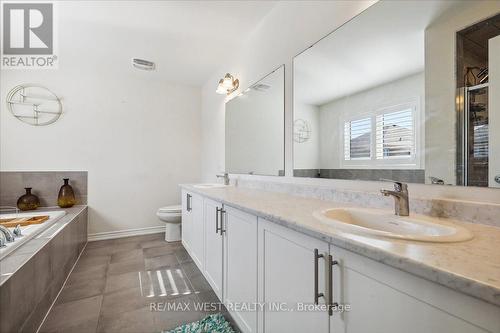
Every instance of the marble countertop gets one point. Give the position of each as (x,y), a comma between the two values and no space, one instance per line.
(15,260)
(471,267)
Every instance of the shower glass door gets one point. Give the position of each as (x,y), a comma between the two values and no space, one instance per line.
(477,136)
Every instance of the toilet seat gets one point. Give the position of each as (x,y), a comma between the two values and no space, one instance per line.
(175,209)
(170,211)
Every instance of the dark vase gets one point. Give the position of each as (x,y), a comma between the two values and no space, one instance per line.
(66,197)
(28,201)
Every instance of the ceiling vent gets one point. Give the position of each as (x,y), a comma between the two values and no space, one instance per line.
(260,87)
(143,64)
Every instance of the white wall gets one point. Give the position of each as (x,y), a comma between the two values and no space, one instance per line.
(367,102)
(288,29)
(306,154)
(136,134)
(494,110)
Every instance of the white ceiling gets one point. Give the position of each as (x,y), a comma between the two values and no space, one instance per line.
(188,40)
(382,44)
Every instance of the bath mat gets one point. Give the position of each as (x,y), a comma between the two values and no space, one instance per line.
(215,323)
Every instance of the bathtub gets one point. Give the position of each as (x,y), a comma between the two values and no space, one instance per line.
(31,231)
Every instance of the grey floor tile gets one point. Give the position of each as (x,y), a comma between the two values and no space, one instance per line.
(208,297)
(86,259)
(87,326)
(154,263)
(123,281)
(105,250)
(199,283)
(87,272)
(182,255)
(128,275)
(126,255)
(136,321)
(131,265)
(157,251)
(119,247)
(123,301)
(160,242)
(97,244)
(72,314)
(81,290)
(190,269)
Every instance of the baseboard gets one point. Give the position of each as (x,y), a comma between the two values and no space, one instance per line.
(125,233)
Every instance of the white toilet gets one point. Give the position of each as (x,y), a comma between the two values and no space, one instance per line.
(172,216)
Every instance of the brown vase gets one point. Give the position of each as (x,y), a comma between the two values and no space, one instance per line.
(66,197)
(28,201)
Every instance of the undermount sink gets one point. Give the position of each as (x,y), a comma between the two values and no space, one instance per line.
(384,223)
(214,185)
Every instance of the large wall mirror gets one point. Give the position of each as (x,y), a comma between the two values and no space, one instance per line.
(407,90)
(255,128)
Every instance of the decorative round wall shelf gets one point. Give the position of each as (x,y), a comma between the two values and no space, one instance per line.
(34,104)
(301,131)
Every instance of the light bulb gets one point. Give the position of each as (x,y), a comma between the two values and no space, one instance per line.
(228,81)
(220,88)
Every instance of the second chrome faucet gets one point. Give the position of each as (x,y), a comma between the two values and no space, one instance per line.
(401,199)
(225,175)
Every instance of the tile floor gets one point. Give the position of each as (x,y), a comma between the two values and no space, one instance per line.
(115,283)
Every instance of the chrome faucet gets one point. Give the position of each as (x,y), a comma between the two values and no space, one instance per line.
(401,199)
(436,181)
(3,240)
(9,236)
(17,231)
(225,175)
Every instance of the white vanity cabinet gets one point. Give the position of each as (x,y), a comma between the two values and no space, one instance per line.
(385,300)
(192,226)
(251,261)
(240,266)
(287,278)
(231,260)
(213,244)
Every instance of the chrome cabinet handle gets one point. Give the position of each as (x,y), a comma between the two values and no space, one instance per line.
(188,202)
(222,215)
(331,303)
(316,294)
(217,211)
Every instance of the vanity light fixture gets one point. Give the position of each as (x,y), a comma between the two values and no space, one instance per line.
(227,85)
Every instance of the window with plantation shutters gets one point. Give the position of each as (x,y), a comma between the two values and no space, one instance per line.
(357,139)
(386,138)
(395,136)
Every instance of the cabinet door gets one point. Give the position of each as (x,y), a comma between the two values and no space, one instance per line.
(186,226)
(213,246)
(378,305)
(197,230)
(287,279)
(240,265)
